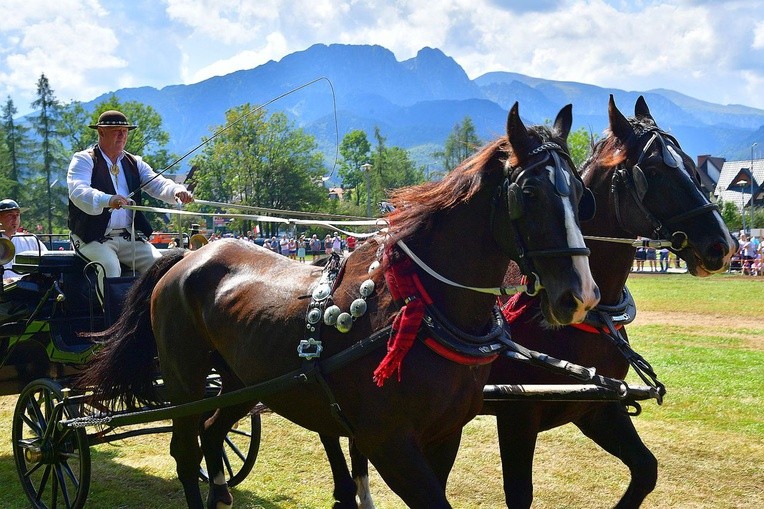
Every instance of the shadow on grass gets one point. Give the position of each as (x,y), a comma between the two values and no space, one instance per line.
(119,486)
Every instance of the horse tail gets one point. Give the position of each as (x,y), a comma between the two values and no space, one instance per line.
(123,369)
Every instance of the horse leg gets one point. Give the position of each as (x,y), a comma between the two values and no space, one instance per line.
(611,428)
(360,472)
(344,487)
(184,447)
(442,456)
(517,426)
(212,436)
(404,467)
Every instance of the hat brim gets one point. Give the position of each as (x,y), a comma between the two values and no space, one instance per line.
(129,127)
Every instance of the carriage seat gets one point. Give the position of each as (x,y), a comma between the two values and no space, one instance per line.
(48,262)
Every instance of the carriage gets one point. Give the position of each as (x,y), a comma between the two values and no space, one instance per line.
(43,346)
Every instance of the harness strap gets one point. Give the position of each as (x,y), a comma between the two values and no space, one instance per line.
(636,361)
(255,392)
(317,376)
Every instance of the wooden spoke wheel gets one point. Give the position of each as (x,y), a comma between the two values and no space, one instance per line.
(53,463)
(240,449)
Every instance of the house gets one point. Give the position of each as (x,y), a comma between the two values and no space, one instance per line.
(709,170)
(741,184)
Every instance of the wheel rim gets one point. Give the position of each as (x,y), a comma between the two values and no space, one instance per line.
(53,464)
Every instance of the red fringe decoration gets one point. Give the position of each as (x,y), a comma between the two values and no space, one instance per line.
(402,281)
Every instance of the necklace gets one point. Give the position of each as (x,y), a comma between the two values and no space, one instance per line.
(114,170)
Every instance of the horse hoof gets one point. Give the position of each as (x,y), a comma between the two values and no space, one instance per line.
(219,497)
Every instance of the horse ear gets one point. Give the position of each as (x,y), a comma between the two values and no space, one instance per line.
(619,126)
(564,121)
(641,110)
(517,134)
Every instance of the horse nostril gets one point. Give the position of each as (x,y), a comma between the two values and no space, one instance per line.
(569,302)
(596,299)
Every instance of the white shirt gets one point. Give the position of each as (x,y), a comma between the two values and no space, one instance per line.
(22,242)
(92,201)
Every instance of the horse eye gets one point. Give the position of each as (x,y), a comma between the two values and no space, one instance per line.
(529,192)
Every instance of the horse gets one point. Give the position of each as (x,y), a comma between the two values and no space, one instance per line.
(644,185)
(264,321)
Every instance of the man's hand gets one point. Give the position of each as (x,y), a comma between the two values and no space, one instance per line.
(116,201)
(184,196)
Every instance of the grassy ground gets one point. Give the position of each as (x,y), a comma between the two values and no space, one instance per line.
(704,338)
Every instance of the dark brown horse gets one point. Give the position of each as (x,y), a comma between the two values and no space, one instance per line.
(644,185)
(245,311)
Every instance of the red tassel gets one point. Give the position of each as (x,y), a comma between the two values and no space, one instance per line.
(401,281)
(405,328)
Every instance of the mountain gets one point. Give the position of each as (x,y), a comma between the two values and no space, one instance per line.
(416,102)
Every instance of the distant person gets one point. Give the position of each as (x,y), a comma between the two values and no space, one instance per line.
(10,223)
(100,181)
(664,259)
(315,246)
(351,243)
(301,248)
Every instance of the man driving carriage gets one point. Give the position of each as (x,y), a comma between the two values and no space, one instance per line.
(103,179)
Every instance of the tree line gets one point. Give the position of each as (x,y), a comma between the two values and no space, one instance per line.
(255,158)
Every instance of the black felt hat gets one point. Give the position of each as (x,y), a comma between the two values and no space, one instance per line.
(113,118)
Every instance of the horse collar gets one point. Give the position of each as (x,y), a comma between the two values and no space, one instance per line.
(604,316)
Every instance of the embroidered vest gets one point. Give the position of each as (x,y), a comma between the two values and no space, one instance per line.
(90,228)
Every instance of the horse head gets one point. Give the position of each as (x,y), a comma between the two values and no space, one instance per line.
(537,217)
(657,193)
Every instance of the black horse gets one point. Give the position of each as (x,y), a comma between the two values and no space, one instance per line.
(256,317)
(644,185)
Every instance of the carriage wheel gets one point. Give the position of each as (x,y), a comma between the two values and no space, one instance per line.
(240,449)
(53,464)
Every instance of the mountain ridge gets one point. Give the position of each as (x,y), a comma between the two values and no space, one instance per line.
(416,102)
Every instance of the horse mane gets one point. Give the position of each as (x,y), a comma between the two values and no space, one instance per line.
(417,206)
(610,151)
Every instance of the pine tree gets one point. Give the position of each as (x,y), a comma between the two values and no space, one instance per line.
(16,152)
(50,201)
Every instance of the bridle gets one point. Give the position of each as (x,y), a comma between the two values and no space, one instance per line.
(633,181)
(509,200)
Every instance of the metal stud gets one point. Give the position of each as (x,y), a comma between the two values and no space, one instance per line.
(344,322)
(374,266)
(358,308)
(321,292)
(314,315)
(331,314)
(367,288)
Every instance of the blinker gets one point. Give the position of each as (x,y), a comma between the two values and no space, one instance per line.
(560,182)
(668,158)
(514,201)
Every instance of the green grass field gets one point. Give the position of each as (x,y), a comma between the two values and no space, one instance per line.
(704,337)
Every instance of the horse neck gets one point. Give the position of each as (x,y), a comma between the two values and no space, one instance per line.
(462,250)
(610,262)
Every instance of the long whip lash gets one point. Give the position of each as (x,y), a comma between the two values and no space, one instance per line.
(243,117)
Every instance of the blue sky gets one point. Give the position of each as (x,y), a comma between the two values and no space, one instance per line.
(708,49)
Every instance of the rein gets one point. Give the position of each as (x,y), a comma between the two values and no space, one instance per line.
(531,289)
